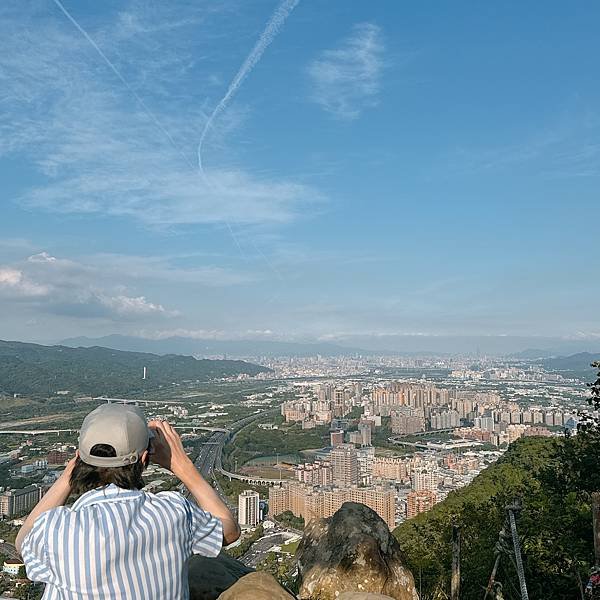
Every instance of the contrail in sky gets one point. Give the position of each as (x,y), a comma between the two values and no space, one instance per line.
(266,37)
(114,69)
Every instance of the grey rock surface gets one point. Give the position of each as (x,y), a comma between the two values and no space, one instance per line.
(210,577)
(363,596)
(256,586)
(352,551)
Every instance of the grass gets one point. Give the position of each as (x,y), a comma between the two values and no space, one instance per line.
(290,547)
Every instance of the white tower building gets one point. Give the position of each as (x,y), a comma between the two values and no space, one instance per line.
(248,508)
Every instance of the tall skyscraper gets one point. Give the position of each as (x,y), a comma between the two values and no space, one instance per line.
(248,508)
(344,464)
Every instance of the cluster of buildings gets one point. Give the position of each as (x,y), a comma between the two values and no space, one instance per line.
(396,487)
(415,408)
(500,427)
(402,487)
(508,373)
(321,407)
(502,434)
(14,502)
(349,366)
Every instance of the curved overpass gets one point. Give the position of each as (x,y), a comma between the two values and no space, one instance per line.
(249,479)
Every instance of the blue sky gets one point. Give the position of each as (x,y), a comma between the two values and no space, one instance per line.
(383,168)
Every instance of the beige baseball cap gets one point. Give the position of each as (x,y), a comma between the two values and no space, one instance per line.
(121,426)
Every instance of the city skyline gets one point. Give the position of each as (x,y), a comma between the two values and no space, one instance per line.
(377,176)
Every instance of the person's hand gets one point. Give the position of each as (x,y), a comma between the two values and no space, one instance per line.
(65,476)
(166,448)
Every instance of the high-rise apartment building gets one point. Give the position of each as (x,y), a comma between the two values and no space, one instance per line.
(279,500)
(336,437)
(317,473)
(365,456)
(344,464)
(484,423)
(424,479)
(313,503)
(365,432)
(248,508)
(355,437)
(17,502)
(406,422)
(419,501)
(445,420)
(390,468)
(57,457)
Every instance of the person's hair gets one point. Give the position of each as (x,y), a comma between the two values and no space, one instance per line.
(86,477)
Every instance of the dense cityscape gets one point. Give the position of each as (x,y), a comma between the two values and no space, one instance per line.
(397,444)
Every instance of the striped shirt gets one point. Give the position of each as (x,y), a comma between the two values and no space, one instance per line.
(116,543)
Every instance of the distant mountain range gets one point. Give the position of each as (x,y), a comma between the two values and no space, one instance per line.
(32,369)
(198,347)
(533,354)
(576,363)
(406,345)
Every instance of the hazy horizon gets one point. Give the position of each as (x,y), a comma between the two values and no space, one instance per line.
(407,345)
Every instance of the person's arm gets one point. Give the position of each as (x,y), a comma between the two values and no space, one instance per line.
(56,496)
(168,452)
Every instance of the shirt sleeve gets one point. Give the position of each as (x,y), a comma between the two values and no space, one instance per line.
(34,551)
(206,531)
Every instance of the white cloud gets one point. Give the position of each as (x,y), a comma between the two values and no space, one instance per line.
(210,334)
(98,150)
(138,306)
(346,79)
(13,283)
(65,287)
(110,286)
(42,257)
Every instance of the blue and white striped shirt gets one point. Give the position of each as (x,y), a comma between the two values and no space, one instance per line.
(115,543)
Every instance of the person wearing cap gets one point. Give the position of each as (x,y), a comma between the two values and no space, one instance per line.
(116,540)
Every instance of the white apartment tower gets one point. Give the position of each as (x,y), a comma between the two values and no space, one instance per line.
(248,508)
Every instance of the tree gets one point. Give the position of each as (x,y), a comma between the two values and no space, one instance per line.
(554,478)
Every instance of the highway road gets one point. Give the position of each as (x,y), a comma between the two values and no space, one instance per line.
(9,550)
(210,453)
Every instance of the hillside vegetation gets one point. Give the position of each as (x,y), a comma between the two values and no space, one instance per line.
(35,370)
(554,479)
(576,365)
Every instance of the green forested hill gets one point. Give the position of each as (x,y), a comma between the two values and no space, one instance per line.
(553,477)
(574,365)
(32,369)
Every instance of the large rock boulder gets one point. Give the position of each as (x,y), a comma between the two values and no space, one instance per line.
(363,596)
(209,577)
(256,586)
(352,551)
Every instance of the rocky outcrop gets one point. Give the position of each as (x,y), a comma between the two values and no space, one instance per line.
(256,586)
(363,596)
(209,577)
(352,551)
